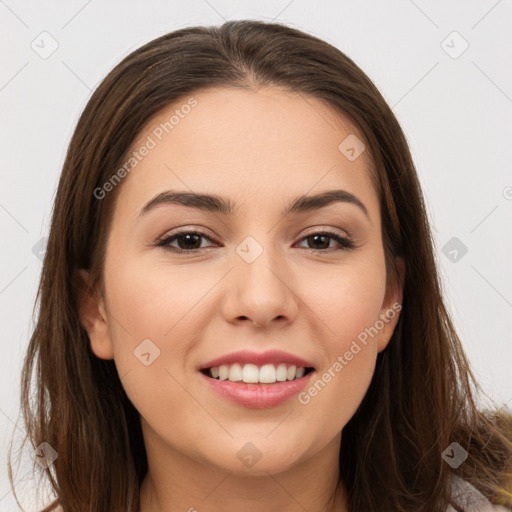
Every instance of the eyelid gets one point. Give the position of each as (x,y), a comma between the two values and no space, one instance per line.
(345,242)
(326,229)
(188,228)
(193,228)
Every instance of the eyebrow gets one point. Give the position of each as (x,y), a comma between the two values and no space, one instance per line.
(218,204)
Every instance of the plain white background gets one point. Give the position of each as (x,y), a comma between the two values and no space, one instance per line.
(454,104)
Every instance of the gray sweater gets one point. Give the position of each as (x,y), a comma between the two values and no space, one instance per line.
(470,499)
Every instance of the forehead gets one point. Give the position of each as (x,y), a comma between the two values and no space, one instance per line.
(244,143)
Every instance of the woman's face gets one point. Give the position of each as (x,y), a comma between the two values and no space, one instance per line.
(259,279)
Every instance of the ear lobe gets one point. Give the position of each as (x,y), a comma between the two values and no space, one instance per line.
(93,317)
(390,312)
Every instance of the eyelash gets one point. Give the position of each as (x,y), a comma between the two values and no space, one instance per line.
(345,243)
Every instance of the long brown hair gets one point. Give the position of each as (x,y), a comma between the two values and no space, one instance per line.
(422,396)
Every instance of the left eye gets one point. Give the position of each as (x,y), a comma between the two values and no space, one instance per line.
(344,243)
(188,241)
(189,238)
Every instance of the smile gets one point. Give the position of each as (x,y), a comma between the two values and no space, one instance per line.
(253,374)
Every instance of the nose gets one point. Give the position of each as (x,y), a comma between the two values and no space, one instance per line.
(261,292)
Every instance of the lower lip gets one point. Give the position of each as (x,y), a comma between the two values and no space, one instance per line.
(258,396)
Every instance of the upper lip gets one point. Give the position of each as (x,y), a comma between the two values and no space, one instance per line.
(258,358)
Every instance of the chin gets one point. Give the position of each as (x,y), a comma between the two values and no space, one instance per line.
(255,458)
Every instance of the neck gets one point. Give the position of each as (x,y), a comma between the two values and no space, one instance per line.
(176,482)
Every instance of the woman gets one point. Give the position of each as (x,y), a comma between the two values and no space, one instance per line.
(239,303)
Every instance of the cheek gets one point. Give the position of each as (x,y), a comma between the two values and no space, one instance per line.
(155,313)
(349,308)
(348,301)
(154,301)
(335,392)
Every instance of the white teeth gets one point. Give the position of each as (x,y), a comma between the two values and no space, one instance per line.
(235,373)
(281,372)
(252,374)
(223,372)
(290,374)
(267,374)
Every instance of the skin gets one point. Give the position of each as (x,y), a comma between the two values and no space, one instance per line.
(260,149)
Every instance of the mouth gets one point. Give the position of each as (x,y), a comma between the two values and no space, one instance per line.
(257,379)
(248,373)
(257,387)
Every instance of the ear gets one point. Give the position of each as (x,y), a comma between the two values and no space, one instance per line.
(392,305)
(93,317)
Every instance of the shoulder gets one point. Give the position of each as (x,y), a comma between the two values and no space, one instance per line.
(470,499)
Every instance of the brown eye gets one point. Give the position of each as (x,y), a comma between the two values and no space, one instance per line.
(188,241)
(321,242)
